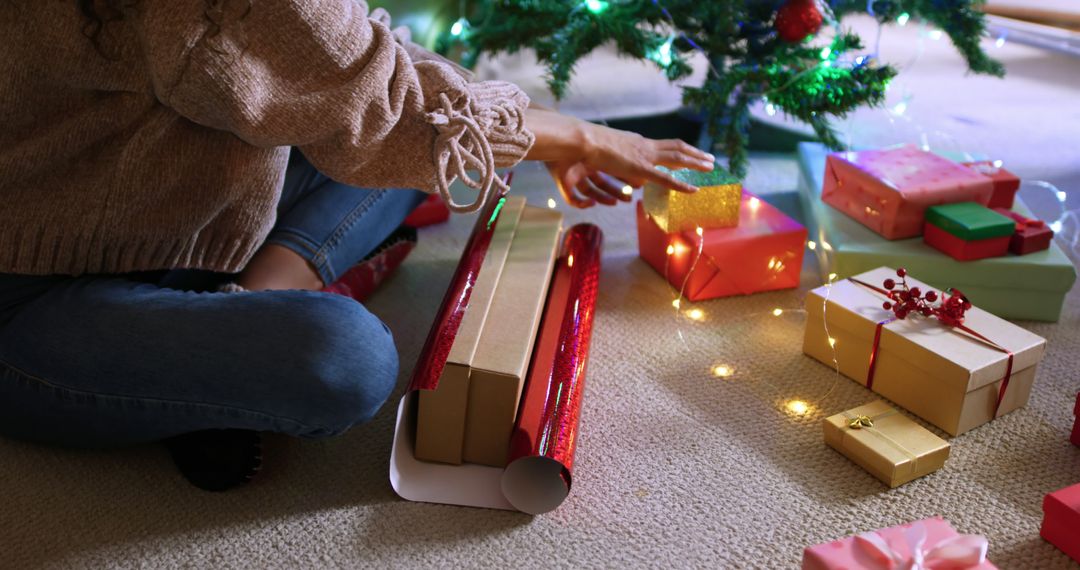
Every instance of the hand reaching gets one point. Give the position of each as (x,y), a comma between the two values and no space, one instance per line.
(593,164)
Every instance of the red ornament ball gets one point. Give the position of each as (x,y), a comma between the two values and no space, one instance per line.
(797,19)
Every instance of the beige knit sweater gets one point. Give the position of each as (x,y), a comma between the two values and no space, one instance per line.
(170,150)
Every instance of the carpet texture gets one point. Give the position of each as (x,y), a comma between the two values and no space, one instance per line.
(674,467)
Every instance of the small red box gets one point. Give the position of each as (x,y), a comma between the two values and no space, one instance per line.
(433,210)
(1005,183)
(1075,439)
(1031,235)
(763,253)
(1061,520)
(964,250)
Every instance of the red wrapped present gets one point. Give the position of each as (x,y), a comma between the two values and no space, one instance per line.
(763,253)
(1031,235)
(889,190)
(1006,183)
(1075,439)
(1061,520)
(433,210)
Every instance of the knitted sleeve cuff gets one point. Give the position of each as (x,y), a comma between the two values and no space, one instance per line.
(480,127)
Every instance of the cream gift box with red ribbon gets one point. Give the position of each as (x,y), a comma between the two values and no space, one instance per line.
(956,373)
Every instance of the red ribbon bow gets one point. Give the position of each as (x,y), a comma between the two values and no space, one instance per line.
(905,301)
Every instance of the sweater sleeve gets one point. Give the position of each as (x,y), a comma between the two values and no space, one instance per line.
(323,76)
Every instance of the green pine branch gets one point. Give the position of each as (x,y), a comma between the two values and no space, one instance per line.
(810,81)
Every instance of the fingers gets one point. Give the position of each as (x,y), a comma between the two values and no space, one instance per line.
(668,181)
(689,150)
(569,181)
(608,186)
(677,159)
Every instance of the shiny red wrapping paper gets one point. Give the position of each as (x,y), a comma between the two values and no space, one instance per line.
(763,253)
(550,407)
(1061,520)
(440,339)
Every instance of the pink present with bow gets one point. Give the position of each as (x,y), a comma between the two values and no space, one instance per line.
(889,190)
(929,544)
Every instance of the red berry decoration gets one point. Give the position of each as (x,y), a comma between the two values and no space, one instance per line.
(890,285)
(887,305)
(797,19)
(901,273)
(908,300)
(931,296)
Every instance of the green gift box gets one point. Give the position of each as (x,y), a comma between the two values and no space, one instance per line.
(1028,287)
(970,221)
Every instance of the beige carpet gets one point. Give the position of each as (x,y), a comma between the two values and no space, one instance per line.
(674,467)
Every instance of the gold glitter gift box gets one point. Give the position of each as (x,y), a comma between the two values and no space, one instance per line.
(714,205)
(886,443)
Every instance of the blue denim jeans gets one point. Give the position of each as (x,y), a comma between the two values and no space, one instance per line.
(101,361)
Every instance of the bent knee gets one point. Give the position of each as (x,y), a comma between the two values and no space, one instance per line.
(353,364)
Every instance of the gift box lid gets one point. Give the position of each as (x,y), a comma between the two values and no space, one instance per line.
(891,445)
(849,247)
(717,177)
(1063,503)
(941,351)
(970,221)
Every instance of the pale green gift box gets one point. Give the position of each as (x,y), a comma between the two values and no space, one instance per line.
(1028,287)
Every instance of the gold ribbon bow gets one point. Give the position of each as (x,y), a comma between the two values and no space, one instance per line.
(861,422)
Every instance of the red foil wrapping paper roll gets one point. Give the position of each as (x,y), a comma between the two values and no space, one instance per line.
(541,458)
(441,337)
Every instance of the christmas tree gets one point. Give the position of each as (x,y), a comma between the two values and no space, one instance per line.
(757,50)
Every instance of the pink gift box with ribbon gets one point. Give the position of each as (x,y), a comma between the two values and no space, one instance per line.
(889,190)
(929,543)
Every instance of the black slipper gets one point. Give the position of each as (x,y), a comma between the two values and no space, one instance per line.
(217,460)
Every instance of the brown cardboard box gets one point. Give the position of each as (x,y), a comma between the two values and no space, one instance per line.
(938,373)
(440,417)
(506,344)
(886,443)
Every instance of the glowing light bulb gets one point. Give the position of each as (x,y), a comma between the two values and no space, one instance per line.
(777,312)
(936,34)
(723,371)
(812,245)
(903,19)
(1062,196)
(797,407)
(1000,42)
(825,53)
(755,203)
(671,250)
(825,245)
(676,303)
(570,261)
(695,314)
(1056,226)
(832,277)
(551,202)
(832,342)
(770,109)
(699,231)
(900,108)
(662,54)
(627,190)
(596,6)
(459,27)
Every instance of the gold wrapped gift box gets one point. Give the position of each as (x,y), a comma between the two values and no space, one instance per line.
(886,443)
(714,205)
